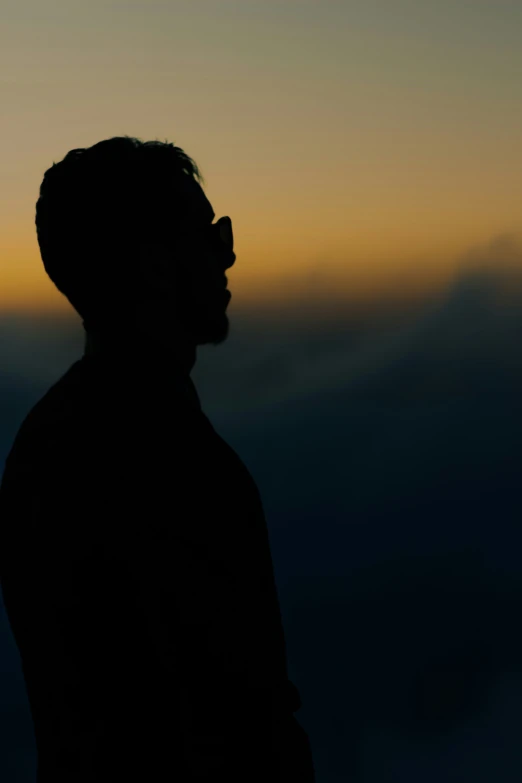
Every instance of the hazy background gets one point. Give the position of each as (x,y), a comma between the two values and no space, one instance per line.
(369,155)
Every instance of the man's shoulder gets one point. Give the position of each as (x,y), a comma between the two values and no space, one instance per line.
(64,436)
(83,429)
(47,418)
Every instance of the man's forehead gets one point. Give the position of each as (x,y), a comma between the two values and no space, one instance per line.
(194,200)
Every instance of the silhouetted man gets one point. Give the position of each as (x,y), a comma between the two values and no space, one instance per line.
(134,554)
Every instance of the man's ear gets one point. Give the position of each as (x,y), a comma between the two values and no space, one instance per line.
(156,266)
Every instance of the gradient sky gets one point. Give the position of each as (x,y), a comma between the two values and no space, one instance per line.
(357,145)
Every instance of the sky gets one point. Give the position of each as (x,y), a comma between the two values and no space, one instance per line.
(363,147)
(367,152)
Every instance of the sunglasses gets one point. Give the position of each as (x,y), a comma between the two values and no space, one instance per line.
(221,232)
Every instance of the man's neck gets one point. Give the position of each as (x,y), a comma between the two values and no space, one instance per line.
(150,360)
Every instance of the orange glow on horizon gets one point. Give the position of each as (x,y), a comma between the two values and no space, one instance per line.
(360,151)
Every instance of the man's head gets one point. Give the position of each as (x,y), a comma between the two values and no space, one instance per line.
(126,234)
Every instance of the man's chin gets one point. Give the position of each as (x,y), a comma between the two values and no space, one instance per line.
(214,331)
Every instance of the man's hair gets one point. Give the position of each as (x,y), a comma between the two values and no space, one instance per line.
(94,208)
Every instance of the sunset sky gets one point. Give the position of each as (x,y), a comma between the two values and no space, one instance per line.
(369,152)
(358,145)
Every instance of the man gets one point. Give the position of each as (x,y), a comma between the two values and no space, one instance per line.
(134,555)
